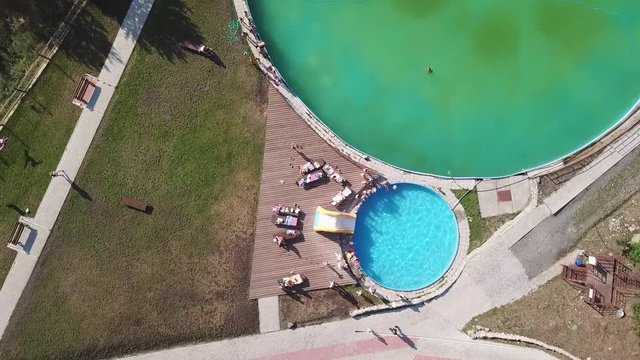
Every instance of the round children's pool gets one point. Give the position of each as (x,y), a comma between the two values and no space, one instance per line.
(515,84)
(406,239)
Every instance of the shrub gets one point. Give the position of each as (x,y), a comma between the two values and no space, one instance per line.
(634,253)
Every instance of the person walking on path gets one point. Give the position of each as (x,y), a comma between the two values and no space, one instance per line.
(378,336)
(398,332)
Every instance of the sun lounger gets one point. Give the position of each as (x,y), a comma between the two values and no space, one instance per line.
(282,237)
(286,210)
(341,196)
(311,178)
(333,173)
(287,221)
(291,281)
(310,166)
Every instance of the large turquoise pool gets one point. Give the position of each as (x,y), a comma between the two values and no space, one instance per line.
(516,84)
(406,239)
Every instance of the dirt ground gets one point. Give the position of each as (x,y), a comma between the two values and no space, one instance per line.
(323,305)
(556,312)
(557,315)
(609,235)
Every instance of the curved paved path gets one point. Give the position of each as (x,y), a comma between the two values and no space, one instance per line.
(428,336)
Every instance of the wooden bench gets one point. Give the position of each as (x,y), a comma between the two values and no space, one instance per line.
(84,92)
(135,204)
(88,92)
(14,239)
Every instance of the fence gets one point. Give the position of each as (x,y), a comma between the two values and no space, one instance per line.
(45,53)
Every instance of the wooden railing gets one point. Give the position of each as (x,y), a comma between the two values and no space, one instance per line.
(574,274)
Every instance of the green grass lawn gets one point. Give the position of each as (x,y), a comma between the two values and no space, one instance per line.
(185,135)
(39,129)
(480,229)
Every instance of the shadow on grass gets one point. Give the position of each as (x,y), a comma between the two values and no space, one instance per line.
(85,195)
(17,209)
(211,56)
(30,160)
(88,41)
(169,24)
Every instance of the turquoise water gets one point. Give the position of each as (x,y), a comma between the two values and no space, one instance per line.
(405,239)
(516,84)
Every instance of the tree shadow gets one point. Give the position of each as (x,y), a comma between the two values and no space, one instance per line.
(30,160)
(88,42)
(168,26)
(16,209)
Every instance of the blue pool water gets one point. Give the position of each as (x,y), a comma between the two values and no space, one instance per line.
(405,239)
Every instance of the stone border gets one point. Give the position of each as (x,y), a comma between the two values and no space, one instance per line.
(243,12)
(410,298)
(483,334)
(403,298)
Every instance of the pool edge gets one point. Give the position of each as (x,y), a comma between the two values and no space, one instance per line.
(389,292)
(631,118)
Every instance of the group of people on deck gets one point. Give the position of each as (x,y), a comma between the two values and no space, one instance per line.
(371,185)
(252,36)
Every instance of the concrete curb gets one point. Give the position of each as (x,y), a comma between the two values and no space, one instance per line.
(522,339)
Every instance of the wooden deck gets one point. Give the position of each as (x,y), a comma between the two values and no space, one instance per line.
(281,163)
(611,280)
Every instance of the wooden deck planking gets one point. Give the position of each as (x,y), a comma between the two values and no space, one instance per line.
(280,162)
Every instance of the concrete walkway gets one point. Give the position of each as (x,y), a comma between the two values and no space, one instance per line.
(269,310)
(36,234)
(428,336)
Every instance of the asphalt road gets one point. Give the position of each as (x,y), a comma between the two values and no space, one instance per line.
(556,235)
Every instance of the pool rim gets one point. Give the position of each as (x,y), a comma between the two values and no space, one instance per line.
(454,256)
(327,133)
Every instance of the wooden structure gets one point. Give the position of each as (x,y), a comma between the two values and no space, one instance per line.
(85,90)
(280,169)
(606,281)
(14,238)
(136,204)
